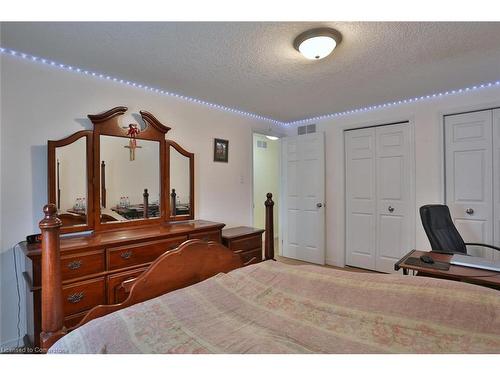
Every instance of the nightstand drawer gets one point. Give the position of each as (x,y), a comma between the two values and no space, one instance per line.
(83,296)
(82,264)
(206,236)
(251,256)
(132,255)
(248,243)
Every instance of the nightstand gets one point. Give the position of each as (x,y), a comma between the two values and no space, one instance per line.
(246,241)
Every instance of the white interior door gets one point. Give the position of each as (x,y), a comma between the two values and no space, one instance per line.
(303,202)
(361,201)
(496,182)
(469,177)
(379,196)
(395,221)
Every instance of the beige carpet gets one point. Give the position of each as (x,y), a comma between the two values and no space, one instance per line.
(299,262)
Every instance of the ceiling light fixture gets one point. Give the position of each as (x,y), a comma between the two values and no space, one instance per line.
(316,44)
(272,137)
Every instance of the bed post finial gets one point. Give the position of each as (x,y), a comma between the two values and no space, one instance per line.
(52,303)
(269,244)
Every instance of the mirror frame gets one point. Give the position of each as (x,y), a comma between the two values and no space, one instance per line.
(107,123)
(189,155)
(52,178)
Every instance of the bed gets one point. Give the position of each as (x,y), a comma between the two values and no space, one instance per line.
(201,298)
(272,307)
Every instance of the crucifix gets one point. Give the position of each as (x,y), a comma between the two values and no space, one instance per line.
(132,132)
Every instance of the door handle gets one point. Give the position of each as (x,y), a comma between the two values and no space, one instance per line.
(390,209)
(469,211)
(319,205)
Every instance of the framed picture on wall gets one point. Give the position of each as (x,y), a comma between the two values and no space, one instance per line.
(221,150)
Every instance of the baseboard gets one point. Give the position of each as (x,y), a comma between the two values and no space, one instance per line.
(331,262)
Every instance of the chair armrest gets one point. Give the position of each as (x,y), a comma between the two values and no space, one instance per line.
(482,245)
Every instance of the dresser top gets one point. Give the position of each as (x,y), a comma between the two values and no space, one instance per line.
(127,236)
(231,233)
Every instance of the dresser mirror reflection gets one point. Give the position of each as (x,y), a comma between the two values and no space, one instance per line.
(181,171)
(130,179)
(70,174)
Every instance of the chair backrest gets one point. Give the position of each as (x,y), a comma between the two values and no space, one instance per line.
(440,229)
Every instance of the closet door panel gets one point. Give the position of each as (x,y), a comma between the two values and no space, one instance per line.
(496,181)
(393,176)
(469,177)
(360,198)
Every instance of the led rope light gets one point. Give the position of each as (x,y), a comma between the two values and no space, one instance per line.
(70,68)
(394,103)
(65,67)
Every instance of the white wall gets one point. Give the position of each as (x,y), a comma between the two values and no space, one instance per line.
(426,117)
(41,103)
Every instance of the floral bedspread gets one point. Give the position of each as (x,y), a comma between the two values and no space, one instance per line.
(272,307)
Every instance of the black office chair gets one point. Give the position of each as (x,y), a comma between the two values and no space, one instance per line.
(442,233)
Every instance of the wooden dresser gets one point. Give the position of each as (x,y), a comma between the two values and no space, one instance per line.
(246,241)
(94,266)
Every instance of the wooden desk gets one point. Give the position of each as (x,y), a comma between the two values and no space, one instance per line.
(478,276)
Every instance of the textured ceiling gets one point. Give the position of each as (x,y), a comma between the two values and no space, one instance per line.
(253,66)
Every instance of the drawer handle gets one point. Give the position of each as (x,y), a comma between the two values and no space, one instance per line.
(75,297)
(75,264)
(126,254)
(172,247)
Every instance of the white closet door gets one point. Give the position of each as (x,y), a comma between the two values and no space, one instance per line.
(469,180)
(379,196)
(360,198)
(303,207)
(496,181)
(394,195)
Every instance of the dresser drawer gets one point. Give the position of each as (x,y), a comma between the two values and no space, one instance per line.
(82,264)
(207,236)
(248,243)
(72,320)
(255,256)
(115,293)
(146,252)
(83,295)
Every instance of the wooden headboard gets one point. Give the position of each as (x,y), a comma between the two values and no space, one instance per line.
(193,261)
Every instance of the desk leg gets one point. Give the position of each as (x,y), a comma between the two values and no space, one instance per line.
(405,271)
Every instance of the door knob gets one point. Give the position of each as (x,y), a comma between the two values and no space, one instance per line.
(319,205)
(390,209)
(469,211)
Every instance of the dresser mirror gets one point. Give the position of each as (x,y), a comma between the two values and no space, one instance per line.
(181,171)
(70,170)
(120,174)
(130,179)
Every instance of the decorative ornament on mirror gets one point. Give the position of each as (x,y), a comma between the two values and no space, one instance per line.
(132,132)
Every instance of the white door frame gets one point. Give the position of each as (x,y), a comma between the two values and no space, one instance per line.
(341,240)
